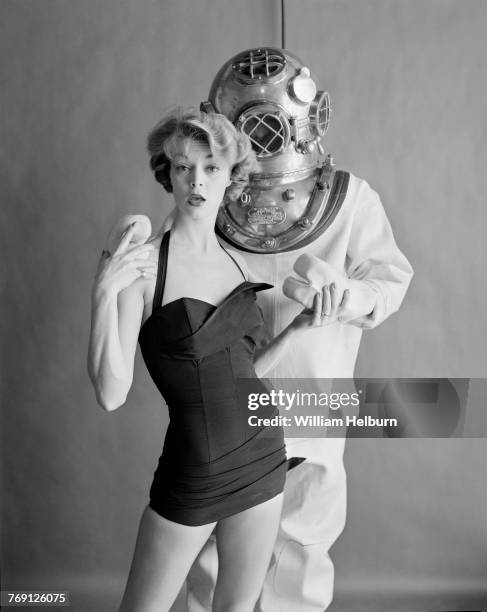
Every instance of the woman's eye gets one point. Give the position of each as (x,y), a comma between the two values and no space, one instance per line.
(181,169)
(213,169)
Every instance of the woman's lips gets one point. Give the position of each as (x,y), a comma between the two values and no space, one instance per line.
(196,200)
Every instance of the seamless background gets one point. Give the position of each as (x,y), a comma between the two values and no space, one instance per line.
(81,85)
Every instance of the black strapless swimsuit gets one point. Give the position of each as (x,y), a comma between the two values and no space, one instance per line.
(213,463)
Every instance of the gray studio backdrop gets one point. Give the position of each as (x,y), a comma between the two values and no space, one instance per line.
(82,83)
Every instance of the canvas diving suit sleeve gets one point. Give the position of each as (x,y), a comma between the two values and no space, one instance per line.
(374,259)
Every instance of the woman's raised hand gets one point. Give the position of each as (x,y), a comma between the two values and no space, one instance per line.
(127,264)
(143,230)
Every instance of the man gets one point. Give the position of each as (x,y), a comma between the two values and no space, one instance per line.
(303,227)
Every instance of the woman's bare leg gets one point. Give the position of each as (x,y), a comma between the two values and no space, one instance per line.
(164,552)
(245,542)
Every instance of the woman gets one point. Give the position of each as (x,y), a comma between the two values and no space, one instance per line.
(189,304)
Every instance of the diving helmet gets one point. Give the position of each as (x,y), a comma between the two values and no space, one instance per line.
(270,95)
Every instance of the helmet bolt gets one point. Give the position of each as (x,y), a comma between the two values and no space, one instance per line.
(245,198)
(329,160)
(307,146)
(304,222)
(289,195)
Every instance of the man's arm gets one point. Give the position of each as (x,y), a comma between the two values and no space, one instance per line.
(375,262)
(377,273)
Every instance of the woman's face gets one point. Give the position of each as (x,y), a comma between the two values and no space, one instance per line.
(199,179)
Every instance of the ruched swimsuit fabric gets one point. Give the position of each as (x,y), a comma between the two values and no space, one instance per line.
(213,464)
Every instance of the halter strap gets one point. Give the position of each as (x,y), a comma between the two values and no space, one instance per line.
(161,271)
(234,260)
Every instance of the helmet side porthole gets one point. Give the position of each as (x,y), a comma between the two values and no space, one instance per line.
(320,112)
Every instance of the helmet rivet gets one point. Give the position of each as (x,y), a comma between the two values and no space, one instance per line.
(322,186)
(228,229)
(304,222)
(270,243)
(289,195)
(245,198)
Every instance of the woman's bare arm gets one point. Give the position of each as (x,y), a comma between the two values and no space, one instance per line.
(115,324)
(269,356)
(117,305)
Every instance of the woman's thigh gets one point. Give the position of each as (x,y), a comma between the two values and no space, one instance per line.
(163,555)
(245,542)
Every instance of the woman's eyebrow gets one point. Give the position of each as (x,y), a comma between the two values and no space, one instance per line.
(184,157)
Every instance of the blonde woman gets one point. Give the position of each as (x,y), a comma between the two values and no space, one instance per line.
(190,306)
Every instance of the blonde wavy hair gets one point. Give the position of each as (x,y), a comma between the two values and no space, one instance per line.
(212,129)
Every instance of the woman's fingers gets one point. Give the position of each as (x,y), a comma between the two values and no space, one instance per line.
(147,271)
(317,309)
(141,264)
(326,302)
(125,239)
(143,229)
(133,270)
(140,252)
(345,299)
(118,272)
(335,299)
(343,306)
(105,255)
